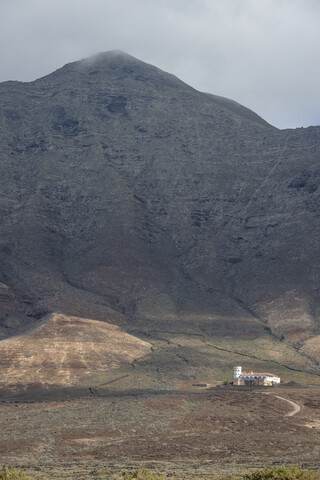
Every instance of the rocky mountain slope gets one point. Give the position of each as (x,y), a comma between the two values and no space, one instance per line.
(130,198)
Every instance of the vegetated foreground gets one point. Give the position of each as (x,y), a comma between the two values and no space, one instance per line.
(189,432)
(277,473)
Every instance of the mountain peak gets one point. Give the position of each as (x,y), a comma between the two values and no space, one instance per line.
(109,60)
(118,67)
(108,56)
(123,72)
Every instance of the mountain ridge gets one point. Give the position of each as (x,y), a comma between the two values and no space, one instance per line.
(131,198)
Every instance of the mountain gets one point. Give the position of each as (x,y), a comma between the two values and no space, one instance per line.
(182,218)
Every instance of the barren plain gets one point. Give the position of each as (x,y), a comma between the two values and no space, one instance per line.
(189,432)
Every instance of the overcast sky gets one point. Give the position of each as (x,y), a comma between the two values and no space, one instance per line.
(264,54)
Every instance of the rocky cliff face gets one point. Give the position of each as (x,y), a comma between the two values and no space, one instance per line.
(129,197)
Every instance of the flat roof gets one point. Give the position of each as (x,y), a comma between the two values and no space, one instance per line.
(265,374)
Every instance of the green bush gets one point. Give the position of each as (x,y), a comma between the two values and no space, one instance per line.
(283,473)
(10,473)
(140,474)
(234,259)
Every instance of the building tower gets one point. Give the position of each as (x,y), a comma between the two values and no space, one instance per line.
(237,372)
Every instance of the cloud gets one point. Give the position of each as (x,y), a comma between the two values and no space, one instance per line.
(262,53)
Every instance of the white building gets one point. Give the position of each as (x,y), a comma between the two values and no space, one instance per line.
(254,378)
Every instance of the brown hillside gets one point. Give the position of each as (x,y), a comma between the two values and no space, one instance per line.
(63,349)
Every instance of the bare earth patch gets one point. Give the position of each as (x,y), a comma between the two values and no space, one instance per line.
(63,349)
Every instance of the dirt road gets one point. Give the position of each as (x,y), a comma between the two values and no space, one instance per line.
(296,407)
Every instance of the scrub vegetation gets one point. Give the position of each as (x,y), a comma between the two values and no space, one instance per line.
(280,473)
